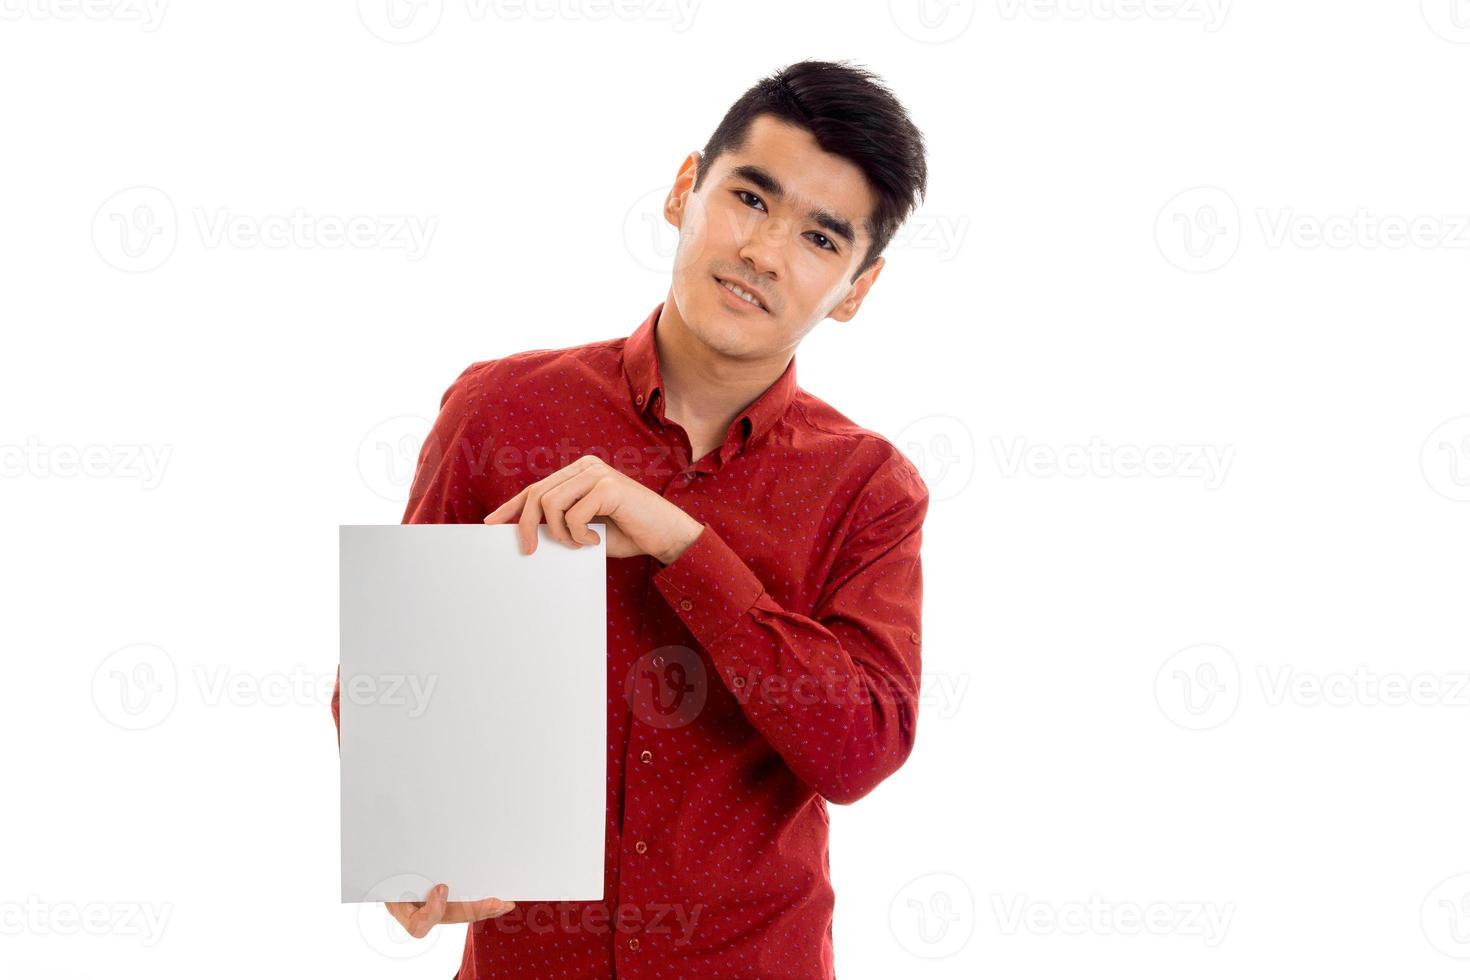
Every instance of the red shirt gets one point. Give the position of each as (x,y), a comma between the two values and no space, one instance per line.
(772,668)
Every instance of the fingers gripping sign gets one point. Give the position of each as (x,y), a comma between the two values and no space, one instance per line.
(638,520)
(417,918)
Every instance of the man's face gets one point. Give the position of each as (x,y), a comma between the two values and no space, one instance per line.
(781,219)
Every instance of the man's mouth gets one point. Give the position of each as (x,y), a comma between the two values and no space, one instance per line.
(742,294)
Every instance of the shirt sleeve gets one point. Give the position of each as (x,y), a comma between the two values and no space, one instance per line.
(835,693)
(441,492)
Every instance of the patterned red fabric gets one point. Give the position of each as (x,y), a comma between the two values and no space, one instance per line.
(772,668)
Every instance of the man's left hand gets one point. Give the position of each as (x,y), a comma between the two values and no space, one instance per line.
(638,520)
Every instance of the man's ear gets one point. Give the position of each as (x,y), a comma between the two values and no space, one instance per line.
(678,199)
(847,307)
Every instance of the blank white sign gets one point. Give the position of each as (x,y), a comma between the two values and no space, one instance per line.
(473,713)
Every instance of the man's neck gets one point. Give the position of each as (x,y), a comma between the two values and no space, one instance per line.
(705,391)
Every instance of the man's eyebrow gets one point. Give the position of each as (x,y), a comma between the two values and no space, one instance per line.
(758,176)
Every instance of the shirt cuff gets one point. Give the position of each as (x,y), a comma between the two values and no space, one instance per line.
(709,587)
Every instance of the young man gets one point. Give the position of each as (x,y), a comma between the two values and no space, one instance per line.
(764,577)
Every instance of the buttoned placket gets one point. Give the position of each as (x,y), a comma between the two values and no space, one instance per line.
(641,757)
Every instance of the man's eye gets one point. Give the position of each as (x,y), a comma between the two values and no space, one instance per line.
(825,242)
(742,195)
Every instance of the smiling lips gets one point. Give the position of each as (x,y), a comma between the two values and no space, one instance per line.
(743,295)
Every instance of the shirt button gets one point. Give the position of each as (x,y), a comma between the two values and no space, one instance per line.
(639,400)
(658,661)
(633,943)
(914,636)
(738,681)
(640,847)
(647,756)
(685,604)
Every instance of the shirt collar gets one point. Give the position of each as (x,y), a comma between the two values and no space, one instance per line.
(645,387)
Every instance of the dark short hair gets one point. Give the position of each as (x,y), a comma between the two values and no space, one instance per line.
(850,114)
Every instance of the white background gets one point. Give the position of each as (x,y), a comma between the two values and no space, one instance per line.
(1171,696)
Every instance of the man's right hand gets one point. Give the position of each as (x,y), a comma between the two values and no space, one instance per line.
(417,918)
